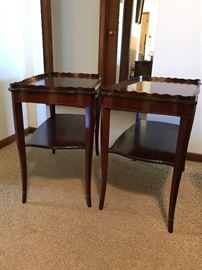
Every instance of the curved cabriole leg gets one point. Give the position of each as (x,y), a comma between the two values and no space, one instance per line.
(104,153)
(23,166)
(180,157)
(89,127)
(173,197)
(19,130)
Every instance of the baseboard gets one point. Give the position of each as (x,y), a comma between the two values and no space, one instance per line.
(12,138)
(31,130)
(194,157)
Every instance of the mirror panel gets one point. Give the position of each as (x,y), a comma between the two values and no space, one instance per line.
(142,38)
(75,26)
(80,37)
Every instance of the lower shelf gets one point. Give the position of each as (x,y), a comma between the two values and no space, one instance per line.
(148,141)
(60,132)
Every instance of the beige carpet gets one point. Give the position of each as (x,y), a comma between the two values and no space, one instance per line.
(55,229)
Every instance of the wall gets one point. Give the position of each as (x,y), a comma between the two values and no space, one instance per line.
(178,51)
(75,35)
(20,54)
(151,6)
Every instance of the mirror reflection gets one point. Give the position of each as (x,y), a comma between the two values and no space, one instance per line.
(141,40)
(123,42)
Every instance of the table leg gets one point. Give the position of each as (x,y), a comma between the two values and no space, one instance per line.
(19,130)
(52,113)
(181,150)
(138,117)
(89,126)
(97,123)
(173,197)
(105,121)
(52,110)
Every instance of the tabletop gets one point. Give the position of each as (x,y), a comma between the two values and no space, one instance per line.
(171,89)
(59,83)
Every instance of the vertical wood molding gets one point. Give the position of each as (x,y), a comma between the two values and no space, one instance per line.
(109,15)
(47,35)
(103,38)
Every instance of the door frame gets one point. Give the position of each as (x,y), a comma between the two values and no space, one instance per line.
(46,24)
(104,16)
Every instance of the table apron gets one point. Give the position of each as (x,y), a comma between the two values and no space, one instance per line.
(149,106)
(77,100)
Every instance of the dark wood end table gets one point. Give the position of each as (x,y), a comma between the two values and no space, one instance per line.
(149,140)
(60,131)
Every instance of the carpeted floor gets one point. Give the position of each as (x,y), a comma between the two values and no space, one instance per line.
(55,230)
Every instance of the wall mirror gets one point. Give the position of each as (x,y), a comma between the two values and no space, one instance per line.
(125,31)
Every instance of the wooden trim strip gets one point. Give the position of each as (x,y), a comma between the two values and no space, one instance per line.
(194,157)
(46,22)
(104,10)
(11,138)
